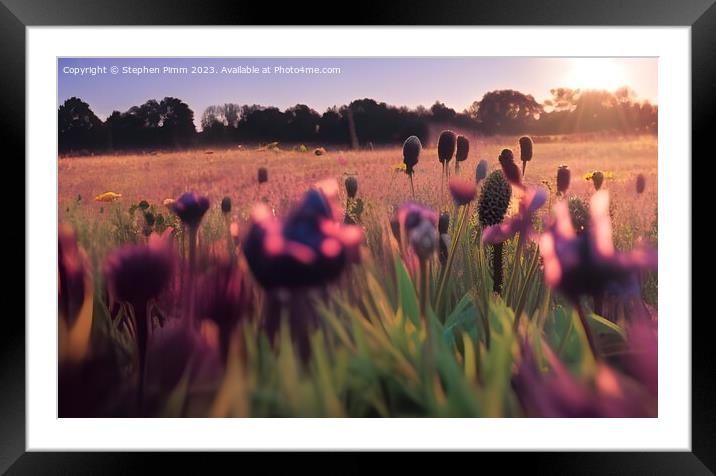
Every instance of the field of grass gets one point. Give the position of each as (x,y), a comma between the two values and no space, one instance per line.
(383,342)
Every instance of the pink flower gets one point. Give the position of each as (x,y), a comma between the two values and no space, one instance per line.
(532,200)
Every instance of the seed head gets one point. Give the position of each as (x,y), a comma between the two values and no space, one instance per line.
(563,177)
(411,153)
(263,175)
(226,205)
(494,199)
(446,146)
(640,183)
(444,222)
(351,186)
(509,168)
(525,149)
(579,213)
(597,179)
(463,148)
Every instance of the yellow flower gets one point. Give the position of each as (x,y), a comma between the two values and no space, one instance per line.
(108,197)
(398,167)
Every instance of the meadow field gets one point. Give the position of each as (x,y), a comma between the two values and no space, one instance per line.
(393,335)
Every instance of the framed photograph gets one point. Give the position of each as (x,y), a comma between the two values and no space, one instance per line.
(435,230)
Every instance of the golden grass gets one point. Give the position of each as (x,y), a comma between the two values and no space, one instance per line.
(233,172)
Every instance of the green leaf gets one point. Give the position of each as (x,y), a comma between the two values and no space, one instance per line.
(408,298)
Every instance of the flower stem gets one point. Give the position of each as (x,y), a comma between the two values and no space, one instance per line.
(141,329)
(192,271)
(412,187)
(497,268)
(463,213)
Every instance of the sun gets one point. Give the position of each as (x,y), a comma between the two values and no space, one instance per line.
(595,73)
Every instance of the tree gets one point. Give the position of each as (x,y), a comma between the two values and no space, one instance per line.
(78,127)
(508,112)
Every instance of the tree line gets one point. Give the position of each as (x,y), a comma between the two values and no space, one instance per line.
(169,123)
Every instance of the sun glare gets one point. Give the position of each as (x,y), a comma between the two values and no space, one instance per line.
(595,73)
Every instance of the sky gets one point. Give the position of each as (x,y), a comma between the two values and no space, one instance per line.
(109,84)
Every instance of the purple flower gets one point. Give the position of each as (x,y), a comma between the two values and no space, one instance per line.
(222,298)
(588,263)
(73,268)
(190,208)
(462,191)
(309,248)
(410,214)
(423,239)
(532,200)
(138,273)
(556,393)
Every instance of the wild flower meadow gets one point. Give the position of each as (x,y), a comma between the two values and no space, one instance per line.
(517,280)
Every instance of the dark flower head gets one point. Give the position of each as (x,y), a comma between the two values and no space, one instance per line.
(351,186)
(481,171)
(423,239)
(444,222)
(463,148)
(510,168)
(418,221)
(446,146)
(521,223)
(309,248)
(525,149)
(597,179)
(73,268)
(226,205)
(410,214)
(190,207)
(506,156)
(411,153)
(222,298)
(462,191)
(138,273)
(640,183)
(494,199)
(588,264)
(263,175)
(143,205)
(563,177)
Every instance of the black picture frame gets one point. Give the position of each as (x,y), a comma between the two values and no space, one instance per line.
(16,15)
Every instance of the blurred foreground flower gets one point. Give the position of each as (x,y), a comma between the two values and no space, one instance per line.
(462,191)
(588,264)
(557,393)
(75,297)
(135,274)
(521,223)
(309,248)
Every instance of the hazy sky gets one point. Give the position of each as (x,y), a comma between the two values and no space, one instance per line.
(397,81)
